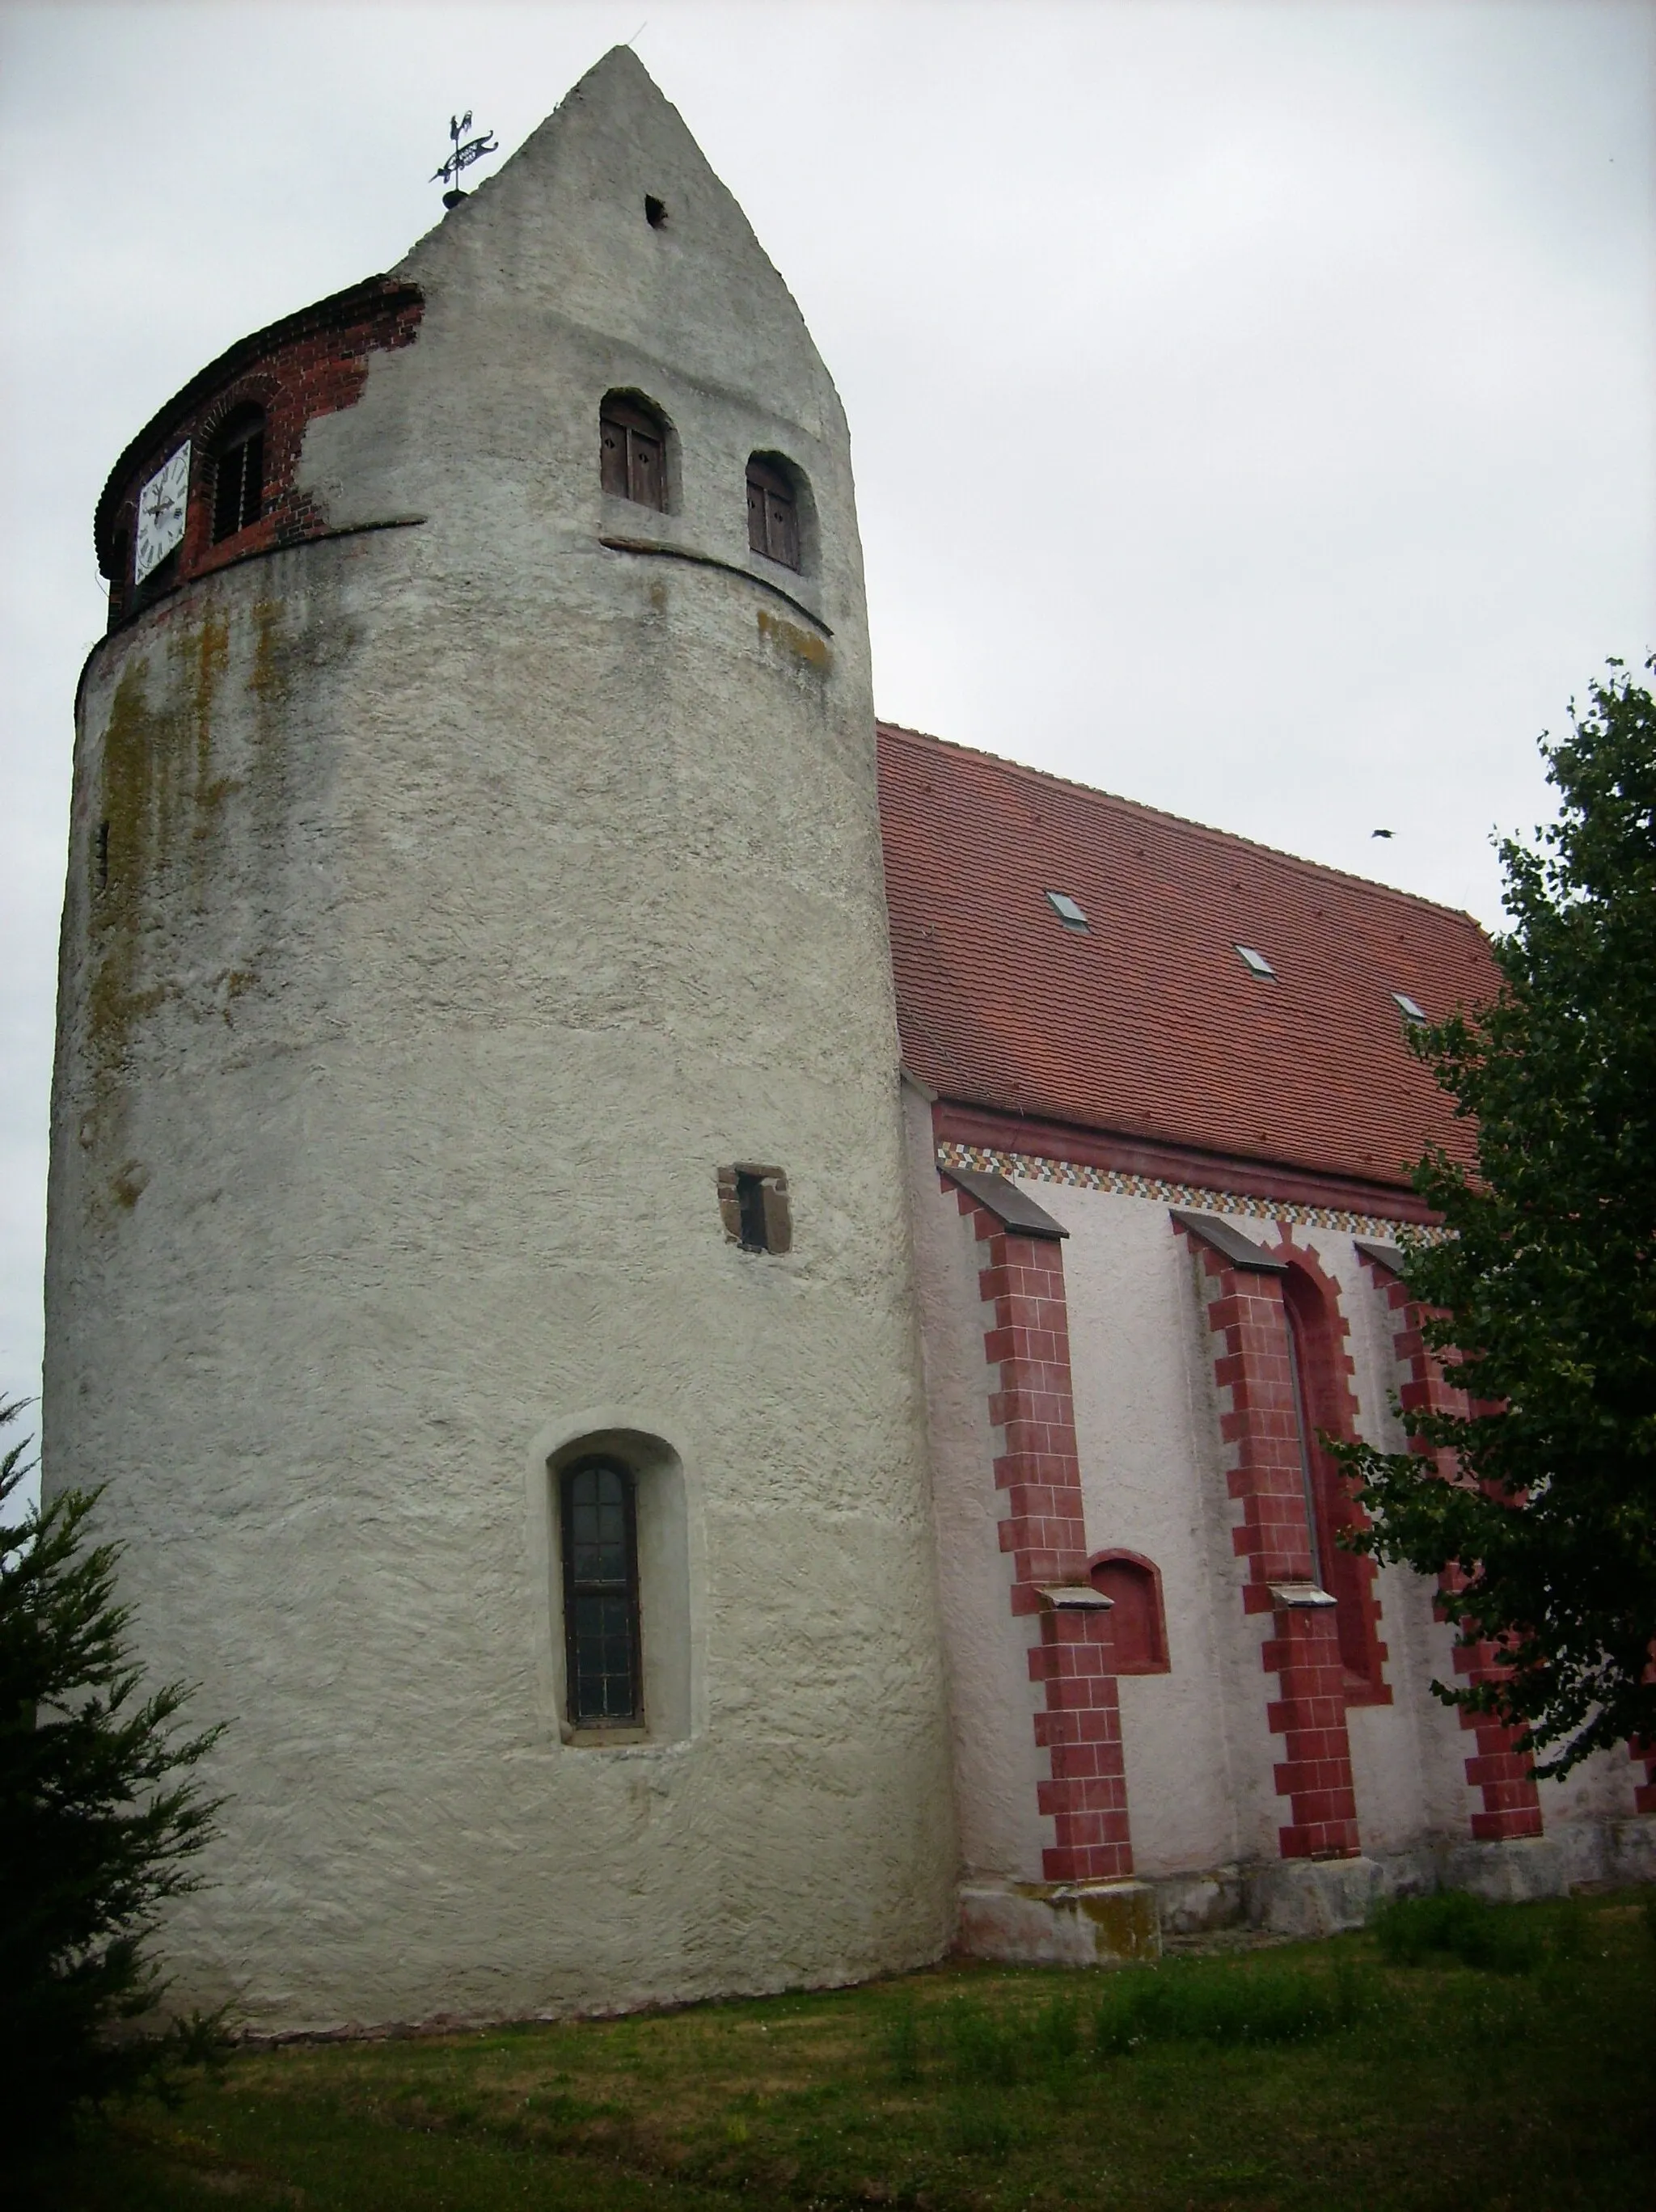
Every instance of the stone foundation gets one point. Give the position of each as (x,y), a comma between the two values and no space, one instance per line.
(1323,1897)
(1311,1898)
(1087,1924)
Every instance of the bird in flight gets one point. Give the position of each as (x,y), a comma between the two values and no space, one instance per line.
(1382,833)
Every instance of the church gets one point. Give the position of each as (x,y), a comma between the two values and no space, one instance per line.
(706,1323)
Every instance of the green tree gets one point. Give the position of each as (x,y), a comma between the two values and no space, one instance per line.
(99,1822)
(1543,1298)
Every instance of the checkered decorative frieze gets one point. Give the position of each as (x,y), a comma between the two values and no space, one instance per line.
(1033,1167)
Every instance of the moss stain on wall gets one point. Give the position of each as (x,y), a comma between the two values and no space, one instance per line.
(159,804)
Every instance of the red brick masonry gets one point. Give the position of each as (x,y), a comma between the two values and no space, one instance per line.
(1505,1777)
(314,364)
(1245,1312)
(1027,1342)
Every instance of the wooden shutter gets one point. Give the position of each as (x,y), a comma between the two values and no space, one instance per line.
(632,454)
(782,529)
(612,464)
(646,476)
(772,513)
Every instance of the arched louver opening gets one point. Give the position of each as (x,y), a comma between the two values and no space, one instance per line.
(632,444)
(239,472)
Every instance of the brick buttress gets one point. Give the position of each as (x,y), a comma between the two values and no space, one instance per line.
(1260,1425)
(1037,1470)
(1502,1775)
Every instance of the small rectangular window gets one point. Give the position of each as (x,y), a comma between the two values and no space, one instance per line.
(1407,1007)
(1068,910)
(1255,962)
(754,1208)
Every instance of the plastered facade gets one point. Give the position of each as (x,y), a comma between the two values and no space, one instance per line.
(1202,1760)
(447,901)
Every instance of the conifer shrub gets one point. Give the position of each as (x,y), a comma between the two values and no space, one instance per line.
(100,1825)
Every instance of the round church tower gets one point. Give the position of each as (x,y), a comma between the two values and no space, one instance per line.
(478,1256)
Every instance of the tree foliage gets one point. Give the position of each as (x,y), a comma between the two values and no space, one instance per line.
(100,1825)
(1543,1298)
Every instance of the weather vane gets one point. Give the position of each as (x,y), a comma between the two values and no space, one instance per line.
(466,151)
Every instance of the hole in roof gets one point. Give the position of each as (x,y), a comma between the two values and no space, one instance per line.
(1255,962)
(1410,1011)
(1072,915)
(655,212)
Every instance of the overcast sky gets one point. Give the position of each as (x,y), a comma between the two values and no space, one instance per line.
(1252,404)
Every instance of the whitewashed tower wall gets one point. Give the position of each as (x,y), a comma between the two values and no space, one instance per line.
(472,891)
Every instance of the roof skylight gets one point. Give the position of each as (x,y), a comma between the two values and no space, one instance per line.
(1255,962)
(1410,1011)
(1072,915)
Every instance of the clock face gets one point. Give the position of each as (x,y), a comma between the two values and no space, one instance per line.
(160,512)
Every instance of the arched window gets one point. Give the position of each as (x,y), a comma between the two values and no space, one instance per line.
(773,519)
(632,444)
(1138,1625)
(1329,1505)
(239,472)
(600,1594)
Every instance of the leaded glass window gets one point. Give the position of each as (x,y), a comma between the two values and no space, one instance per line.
(600,1594)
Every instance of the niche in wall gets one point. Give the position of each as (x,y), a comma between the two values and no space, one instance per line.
(1137,1622)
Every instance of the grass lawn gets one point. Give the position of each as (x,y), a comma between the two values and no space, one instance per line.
(1481,2059)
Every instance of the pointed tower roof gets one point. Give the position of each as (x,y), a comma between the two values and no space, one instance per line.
(560,227)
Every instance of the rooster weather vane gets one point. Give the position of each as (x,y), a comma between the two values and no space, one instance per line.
(466,151)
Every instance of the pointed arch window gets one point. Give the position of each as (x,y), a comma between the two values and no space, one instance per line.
(773,516)
(632,442)
(1320,1405)
(599,1535)
(238,473)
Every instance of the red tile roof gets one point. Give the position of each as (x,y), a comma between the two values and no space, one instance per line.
(1149,1025)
